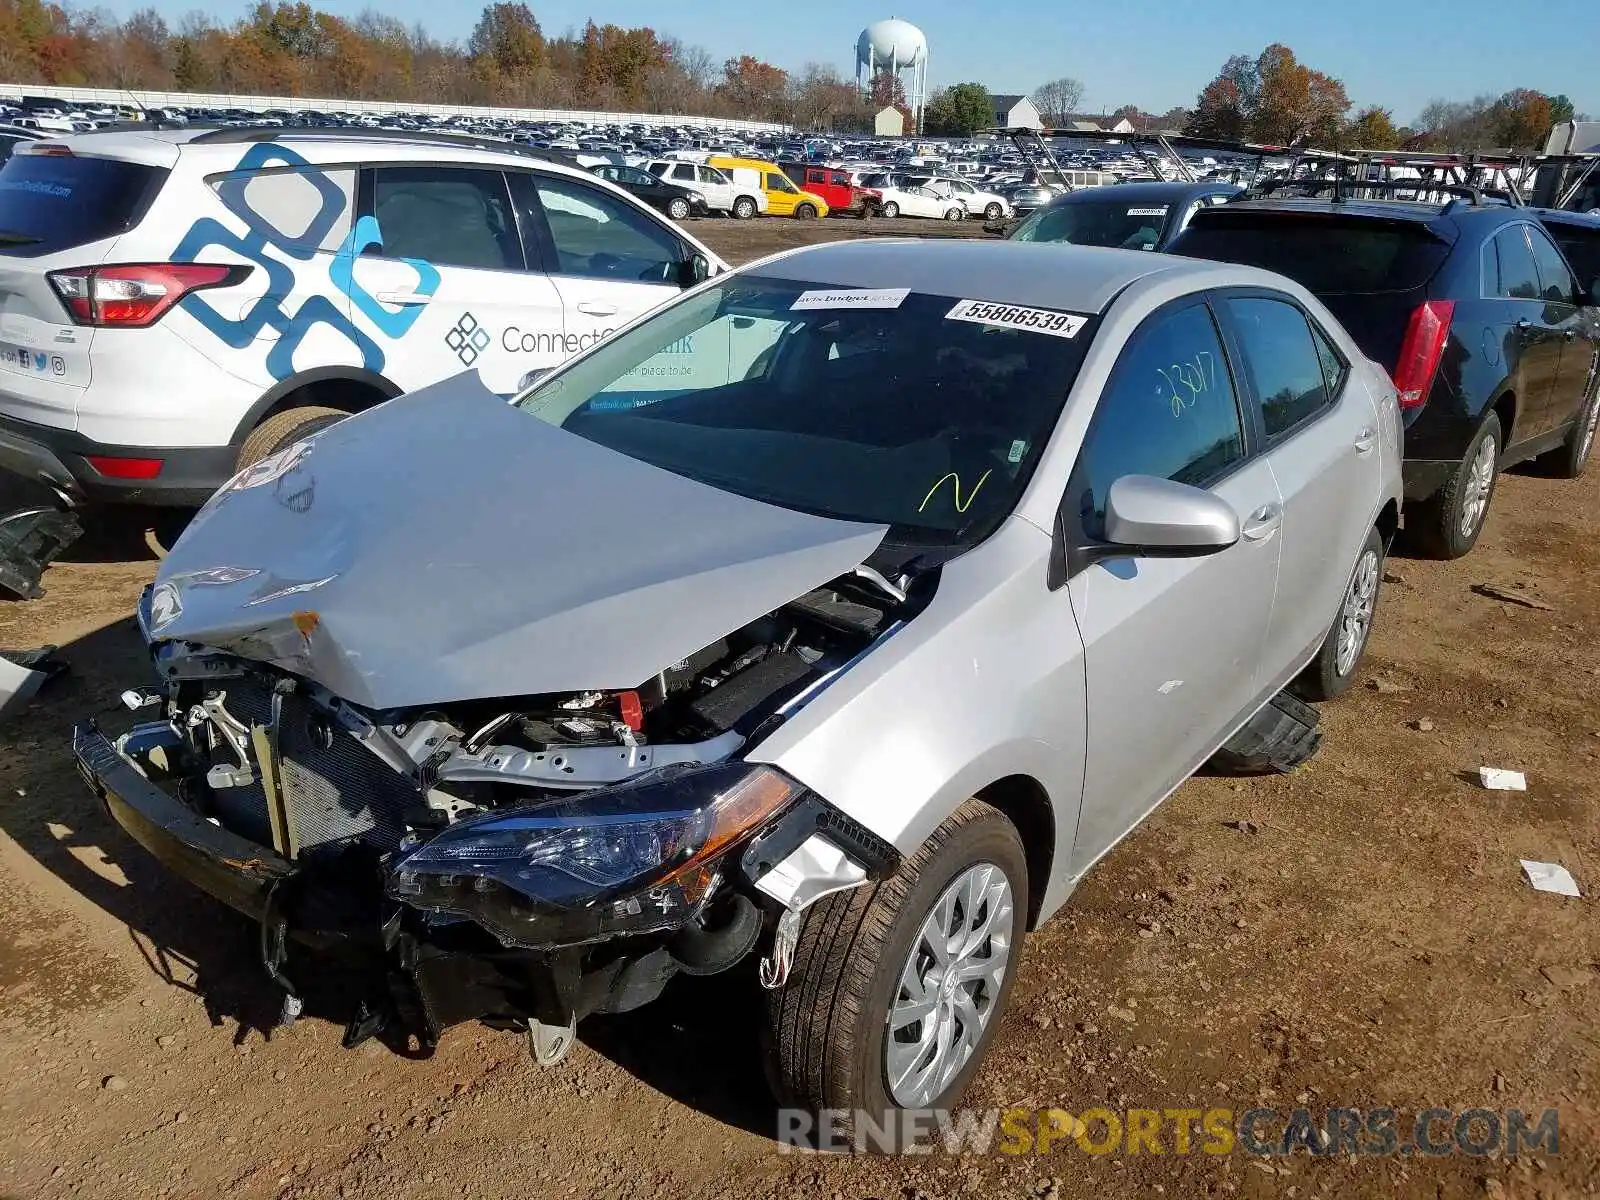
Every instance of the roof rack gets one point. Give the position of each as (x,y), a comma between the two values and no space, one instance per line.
(466,141)
(1343,186)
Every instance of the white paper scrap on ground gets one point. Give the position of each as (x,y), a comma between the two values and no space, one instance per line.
(1550,877)
(1497,779)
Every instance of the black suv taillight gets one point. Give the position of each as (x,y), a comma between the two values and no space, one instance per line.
(134,295)
(1427,333)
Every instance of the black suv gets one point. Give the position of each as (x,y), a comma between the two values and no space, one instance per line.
(1490,338)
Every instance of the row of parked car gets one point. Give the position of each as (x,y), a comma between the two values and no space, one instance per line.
(829,618)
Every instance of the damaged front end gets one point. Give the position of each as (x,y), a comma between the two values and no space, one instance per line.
(523,861)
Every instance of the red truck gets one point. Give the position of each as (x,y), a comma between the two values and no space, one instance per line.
(834,186)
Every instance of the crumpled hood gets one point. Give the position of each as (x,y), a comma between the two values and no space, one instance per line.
(445,546)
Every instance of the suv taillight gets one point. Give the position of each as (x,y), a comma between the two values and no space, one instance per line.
(135,295)
(1426,335)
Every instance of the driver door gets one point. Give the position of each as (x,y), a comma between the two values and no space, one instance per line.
(609,261)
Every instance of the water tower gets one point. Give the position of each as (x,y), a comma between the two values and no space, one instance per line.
(900,48)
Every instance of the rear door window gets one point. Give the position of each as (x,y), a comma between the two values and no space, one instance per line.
(1281,360)
(447,216)
(55,202)
(1556,285)
(1518,278)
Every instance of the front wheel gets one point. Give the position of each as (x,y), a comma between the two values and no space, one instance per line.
(897,989)
(806,212)
(891,210)
(1334,669)
(744,208)
(1448,525)
(1572,457)
(955,214)
(993,212)
(678,209)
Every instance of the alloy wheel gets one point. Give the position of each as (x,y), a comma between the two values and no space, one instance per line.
(1479,483)
(1355,620)
(949,986)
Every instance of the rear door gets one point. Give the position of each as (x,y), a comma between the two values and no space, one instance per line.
(714,186)
(453,228)
(1532,331)
(1559,291)
(608,261)
(56,212)
(1319,431)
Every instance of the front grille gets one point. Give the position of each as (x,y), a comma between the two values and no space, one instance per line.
(334,788)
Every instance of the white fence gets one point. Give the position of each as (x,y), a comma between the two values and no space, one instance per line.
(77,95)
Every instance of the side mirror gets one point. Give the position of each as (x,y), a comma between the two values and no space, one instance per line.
(693,270)
(1156,518)
(531,378)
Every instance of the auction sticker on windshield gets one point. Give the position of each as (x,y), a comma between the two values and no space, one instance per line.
(1148,212)
(1038,320)
(816,298)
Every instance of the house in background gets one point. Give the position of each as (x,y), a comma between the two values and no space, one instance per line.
(889,122)
(1016,112)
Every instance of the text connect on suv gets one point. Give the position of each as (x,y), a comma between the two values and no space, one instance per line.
(179,304)
(1490,337)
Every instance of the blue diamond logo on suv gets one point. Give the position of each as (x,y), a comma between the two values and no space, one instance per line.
(468,339)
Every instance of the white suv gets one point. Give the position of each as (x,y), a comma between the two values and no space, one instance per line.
(177,304)
(740,198)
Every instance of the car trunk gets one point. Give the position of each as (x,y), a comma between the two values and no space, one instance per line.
(1371,271)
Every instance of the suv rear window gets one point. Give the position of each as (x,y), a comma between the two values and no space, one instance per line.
(1582,248)
(1326,255)
(54,202)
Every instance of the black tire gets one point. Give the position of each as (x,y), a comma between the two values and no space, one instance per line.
(744,208)
(890,210)
(678,209)
(805,212)
(955,214)
(1435,526)
(993,212)
(284,429)
(1569,460)
(827,1030)
(1323,679)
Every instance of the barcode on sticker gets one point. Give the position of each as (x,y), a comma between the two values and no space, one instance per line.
(1037,320)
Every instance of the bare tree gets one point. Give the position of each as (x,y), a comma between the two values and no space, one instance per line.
(1058,99)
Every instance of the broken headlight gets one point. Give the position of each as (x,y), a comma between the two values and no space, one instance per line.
(635,858)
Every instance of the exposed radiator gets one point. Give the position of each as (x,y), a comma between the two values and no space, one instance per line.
(335,789)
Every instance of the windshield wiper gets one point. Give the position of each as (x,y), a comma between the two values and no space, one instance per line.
(8,238)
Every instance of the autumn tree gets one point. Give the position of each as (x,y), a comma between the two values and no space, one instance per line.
(1058,100)
(1373,129)
(1522,119)
(506,44)
(754,89)
(886,91)
(1274,98)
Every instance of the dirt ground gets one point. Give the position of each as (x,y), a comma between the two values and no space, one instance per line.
(1358,933)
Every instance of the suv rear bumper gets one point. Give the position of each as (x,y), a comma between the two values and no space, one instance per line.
(59,458)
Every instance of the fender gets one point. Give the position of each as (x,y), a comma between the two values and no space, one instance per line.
(284,387)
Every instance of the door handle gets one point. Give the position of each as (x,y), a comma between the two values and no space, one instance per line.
(402,298)
(1262,523)
(1365,441)
(597,308)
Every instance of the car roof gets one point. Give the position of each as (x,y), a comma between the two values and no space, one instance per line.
(1057,275)
(1174,192)
(1563,216)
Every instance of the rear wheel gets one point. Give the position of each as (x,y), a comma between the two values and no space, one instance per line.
(897,990)
(1570,459)
(891,210)
(678,209)
(744,208)
(806,212)
(284,429)
(1448,525)
(1334,669)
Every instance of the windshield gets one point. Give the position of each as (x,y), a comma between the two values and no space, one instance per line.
(1108,222)
(923,412)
